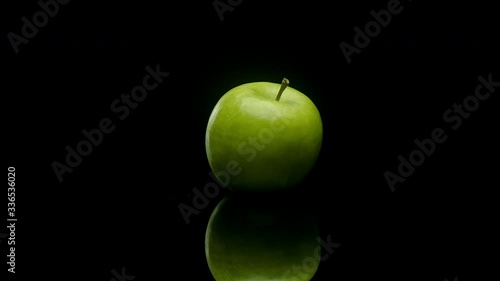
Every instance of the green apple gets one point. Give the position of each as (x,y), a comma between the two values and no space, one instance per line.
(263,136)
(261,240)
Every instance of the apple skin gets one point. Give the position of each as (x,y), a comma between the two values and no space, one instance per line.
(256,143)
(261,240)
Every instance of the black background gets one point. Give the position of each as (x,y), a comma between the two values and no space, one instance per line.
(119,207)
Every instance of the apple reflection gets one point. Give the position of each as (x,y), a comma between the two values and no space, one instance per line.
(255,239)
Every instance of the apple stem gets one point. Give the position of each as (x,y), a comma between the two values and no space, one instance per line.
(284,84)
